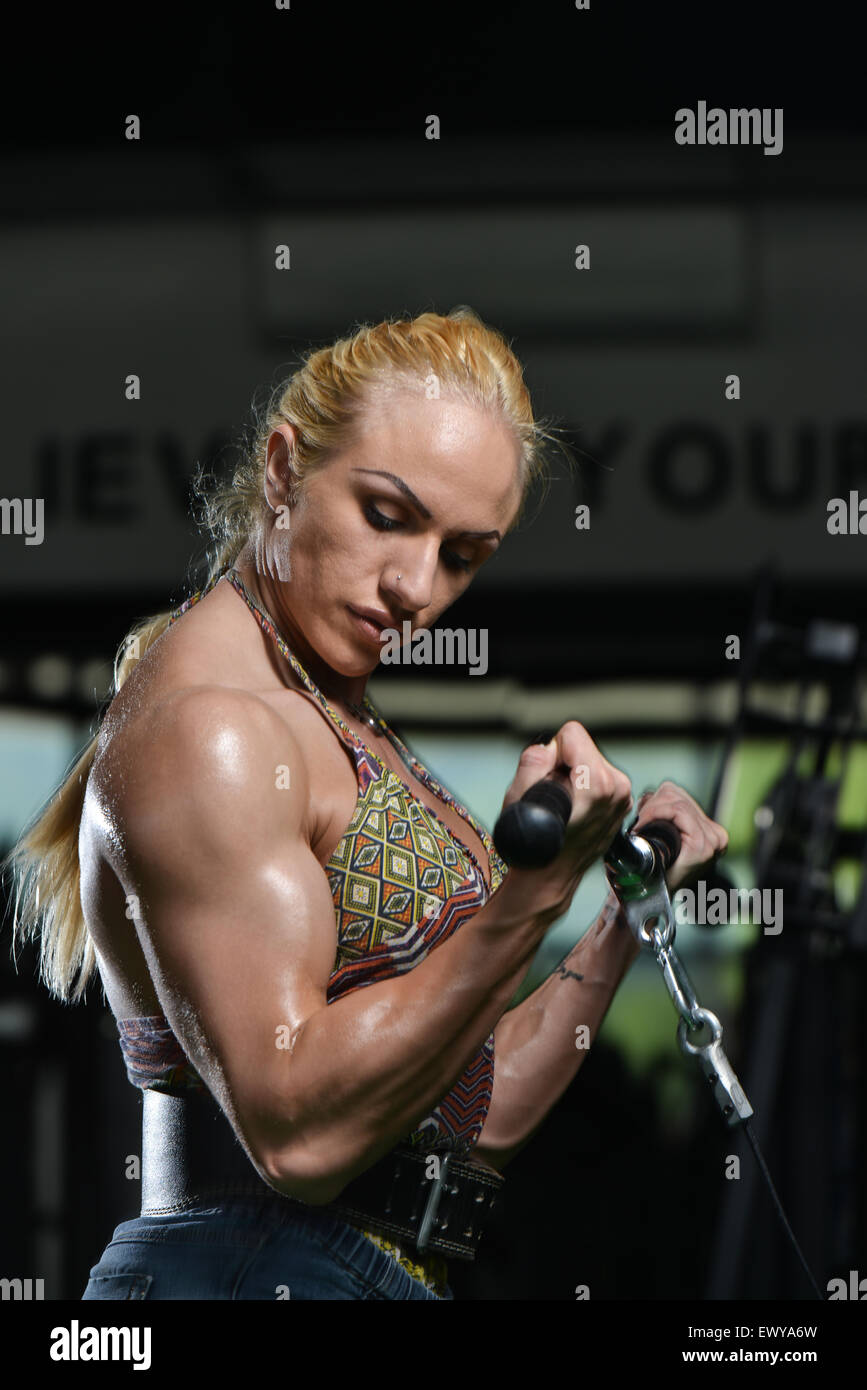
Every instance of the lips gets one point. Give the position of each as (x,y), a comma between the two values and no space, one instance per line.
(374,615)
(371,621)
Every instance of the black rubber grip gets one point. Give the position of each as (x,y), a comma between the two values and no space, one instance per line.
(665,838)
(529,834)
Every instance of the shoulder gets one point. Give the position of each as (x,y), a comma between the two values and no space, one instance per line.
(208,755)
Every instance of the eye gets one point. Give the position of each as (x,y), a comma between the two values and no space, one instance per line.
(377,519)
(452,560)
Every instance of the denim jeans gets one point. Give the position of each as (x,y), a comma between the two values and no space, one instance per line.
(247,1247)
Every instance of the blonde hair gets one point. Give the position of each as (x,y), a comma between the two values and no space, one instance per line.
(328,401)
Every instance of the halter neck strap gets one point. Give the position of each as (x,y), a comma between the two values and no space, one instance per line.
(265,621)
(365,752)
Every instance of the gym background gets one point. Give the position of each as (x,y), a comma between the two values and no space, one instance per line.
(707,520)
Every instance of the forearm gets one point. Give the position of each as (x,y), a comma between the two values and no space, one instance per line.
(368,1068)
(541,1043)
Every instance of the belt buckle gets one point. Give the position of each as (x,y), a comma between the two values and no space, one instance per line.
(432,1205)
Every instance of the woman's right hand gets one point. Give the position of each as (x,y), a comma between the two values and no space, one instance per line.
(601,799)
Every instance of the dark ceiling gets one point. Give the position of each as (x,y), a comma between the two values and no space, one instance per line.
(219,74)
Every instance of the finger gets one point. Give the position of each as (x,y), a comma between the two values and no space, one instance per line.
(538,760)
(574,744)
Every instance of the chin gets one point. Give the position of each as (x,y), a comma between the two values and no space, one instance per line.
(349,661)
(353,669)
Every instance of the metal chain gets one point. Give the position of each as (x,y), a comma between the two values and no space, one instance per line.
(647,908)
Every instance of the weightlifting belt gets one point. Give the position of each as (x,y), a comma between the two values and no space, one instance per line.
(190,1154)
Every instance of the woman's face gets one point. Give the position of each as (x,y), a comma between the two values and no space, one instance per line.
(426,493)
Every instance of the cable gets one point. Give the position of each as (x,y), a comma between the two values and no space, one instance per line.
(789,1232)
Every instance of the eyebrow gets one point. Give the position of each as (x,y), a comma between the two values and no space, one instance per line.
(420,506)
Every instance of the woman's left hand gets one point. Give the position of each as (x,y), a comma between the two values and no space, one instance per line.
(702,839)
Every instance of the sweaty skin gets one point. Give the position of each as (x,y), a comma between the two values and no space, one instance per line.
(236,934)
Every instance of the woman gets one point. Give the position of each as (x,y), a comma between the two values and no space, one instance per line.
(309,946)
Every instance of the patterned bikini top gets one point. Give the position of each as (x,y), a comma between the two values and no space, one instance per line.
(402,882)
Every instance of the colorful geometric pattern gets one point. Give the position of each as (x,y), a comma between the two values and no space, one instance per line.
(402,883)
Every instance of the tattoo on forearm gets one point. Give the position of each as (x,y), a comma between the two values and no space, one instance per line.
(567,974)
(611,912)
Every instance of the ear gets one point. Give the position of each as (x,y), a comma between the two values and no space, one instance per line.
(280,483)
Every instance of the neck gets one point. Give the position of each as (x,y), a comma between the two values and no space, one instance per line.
(335,686)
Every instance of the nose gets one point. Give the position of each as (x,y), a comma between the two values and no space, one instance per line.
(410,576)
